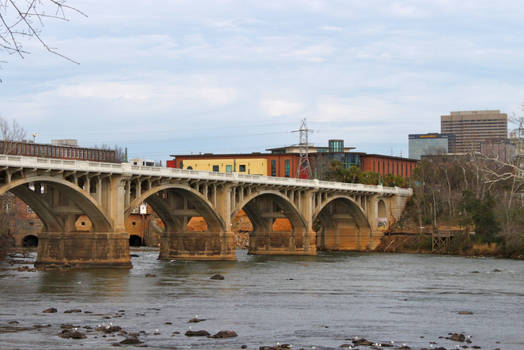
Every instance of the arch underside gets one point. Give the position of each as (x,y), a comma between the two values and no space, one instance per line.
(342,225)
(175,205)
(264,210)
(58,203)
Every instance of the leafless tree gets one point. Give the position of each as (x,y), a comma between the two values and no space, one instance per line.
(24,19)
(120,154)
(10,132)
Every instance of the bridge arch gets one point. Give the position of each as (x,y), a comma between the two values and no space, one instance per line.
(263,208)
(341,224)
(167,207)
(66,193)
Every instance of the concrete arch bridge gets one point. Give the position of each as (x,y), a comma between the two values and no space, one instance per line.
(323,215)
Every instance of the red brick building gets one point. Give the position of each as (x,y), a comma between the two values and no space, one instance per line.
(383,164)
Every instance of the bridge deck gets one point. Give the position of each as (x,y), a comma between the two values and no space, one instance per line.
(134,170)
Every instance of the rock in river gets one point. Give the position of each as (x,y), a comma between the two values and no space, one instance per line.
(72,334)
(51,310)
(225,334)
(201,333)
(217,277)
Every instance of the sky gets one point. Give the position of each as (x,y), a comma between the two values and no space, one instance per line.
(227,76)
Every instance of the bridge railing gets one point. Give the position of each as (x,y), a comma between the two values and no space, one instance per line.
(127,168)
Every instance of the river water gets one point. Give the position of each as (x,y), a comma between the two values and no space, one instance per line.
(309,302)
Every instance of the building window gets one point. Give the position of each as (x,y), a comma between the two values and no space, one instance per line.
(189,168)
(229,168)
(273,167)
(242,168)
(286,168)
(216,168)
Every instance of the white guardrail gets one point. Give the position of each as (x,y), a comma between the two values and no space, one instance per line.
(128,168)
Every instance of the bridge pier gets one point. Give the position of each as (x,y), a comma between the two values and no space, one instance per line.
(83,249)
(281,243)
(197,246)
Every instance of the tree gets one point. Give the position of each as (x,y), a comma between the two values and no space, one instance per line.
(24,19)
(120,153)
(10,134)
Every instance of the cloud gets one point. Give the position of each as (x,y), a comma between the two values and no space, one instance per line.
(277,108)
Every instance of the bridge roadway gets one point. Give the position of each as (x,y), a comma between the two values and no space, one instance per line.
(323,215)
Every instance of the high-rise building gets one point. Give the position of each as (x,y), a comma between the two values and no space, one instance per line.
(473,127)
(429,144)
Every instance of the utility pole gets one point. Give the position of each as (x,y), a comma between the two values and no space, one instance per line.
(304,168)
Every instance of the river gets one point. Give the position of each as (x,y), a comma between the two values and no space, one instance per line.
(309,302)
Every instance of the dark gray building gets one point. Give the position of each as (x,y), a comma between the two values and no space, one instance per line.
(429,144)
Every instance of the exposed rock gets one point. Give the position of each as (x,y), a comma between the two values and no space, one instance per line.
(115,344)
(243,347)
(131,340)
(134,255)
(457,337)
(109,329)
(201,333)
(196,320)
(72,334)
(225,334)
(362,341)
(217,277)
(475,271)
(51,310)
(496,270)
(168,323)
(150,275)
(276,347)
(66,326)
(72,311)
(465,313)
(13,322)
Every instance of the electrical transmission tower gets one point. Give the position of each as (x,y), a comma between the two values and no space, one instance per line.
(304,168)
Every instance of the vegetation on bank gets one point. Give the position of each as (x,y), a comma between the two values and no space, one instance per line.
(353,174)
(480,197)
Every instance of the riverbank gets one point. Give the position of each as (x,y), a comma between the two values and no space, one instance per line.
(412,243)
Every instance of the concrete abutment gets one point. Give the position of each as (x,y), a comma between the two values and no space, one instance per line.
(197,246)
(83,250)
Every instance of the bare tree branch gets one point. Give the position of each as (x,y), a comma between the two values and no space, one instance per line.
(22,19)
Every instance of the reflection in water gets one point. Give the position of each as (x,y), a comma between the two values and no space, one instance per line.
(89,283)
(307,301)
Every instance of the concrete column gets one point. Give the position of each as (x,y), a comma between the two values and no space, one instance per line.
(117,202)
(307,209)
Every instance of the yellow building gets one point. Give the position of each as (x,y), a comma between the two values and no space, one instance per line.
(253,166)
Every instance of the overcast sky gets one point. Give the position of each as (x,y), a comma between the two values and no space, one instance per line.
(175,77)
